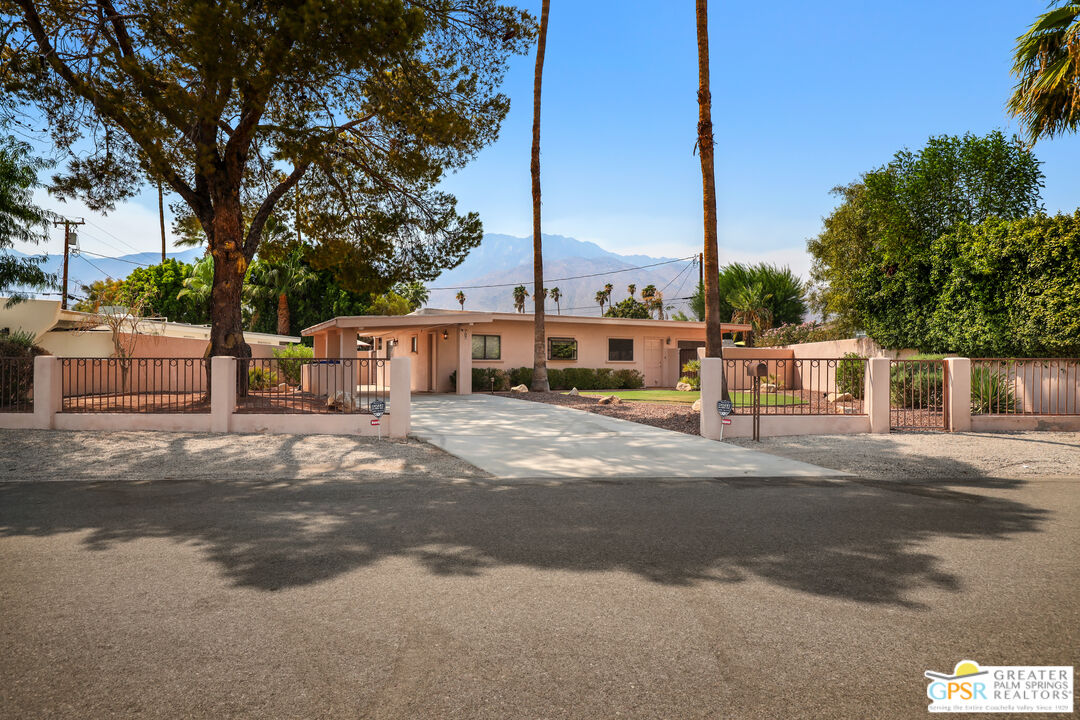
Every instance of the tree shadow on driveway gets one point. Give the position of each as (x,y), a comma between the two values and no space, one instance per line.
(831,538)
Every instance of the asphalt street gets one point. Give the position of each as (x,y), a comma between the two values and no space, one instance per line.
(435,597)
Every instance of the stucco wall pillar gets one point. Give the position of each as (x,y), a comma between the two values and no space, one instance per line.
(222,392)
(958,371)
(877,393)
(400,396)
(464,363)
(712,386)
(48,391)
(319,344)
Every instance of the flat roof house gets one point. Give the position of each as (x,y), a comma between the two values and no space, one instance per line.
(442,342)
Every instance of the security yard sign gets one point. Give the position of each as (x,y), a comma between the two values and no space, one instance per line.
(724,407)
(378,407)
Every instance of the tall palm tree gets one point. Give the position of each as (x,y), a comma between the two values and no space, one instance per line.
(1047,63)
(750,305)
(460,297)
(714,340)
(556,296)
(600,298)
(540,378)
(520,293)
(714,334)
(631,288)
(277,280)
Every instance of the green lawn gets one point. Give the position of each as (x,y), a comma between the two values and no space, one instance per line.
(741,399)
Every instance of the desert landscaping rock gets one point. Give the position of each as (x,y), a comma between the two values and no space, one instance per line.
(519,389)
(684,387)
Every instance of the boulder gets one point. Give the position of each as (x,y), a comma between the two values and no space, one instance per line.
(768,387)
(573,391)
(340,400)
(840,397)
(684,387)
(283,387)
(610,400)
(696,407)
(520,389)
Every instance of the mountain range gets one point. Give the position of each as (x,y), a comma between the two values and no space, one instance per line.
(499,263)
(504,261)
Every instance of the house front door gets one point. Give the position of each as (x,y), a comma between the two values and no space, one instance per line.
(654,361)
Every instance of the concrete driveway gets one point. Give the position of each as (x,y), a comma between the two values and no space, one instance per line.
(512,438)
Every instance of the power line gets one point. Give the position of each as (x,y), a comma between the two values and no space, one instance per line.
(118,239)
(106,257)
(574,277)
(87,260)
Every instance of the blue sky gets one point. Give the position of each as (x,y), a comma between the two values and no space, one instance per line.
(804,98)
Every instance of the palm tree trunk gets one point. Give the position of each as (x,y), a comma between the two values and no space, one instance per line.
(161,217)
(282,314)
(540,379)
(714,337)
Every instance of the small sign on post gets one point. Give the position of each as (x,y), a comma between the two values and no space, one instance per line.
(725,408)
(377,407)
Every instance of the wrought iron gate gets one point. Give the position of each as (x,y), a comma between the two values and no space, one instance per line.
(918,395)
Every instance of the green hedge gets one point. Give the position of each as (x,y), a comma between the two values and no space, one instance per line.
(558,378)
(1009,289)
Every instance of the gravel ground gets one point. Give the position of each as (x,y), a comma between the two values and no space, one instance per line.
(670,416)
(934,455)
(43,455)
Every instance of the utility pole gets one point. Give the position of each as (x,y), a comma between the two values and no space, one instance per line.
(67,246)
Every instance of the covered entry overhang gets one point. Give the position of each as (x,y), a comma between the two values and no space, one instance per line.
(439,342)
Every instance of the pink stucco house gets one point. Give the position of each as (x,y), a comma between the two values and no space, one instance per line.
(441,342)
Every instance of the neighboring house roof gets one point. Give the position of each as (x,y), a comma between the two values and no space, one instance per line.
(434,317)
(42,316)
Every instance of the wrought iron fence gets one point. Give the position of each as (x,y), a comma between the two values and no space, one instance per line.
(1025,386)
(918,391)
(135,385)
(307,385)
(16,384)
(799,386)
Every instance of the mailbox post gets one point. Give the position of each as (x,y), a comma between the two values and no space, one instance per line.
(757,372)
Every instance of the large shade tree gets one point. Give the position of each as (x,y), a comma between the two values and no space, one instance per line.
(231,103)
(873,259)
(21,220)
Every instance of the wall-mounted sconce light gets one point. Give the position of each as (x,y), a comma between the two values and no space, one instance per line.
(445,334)
(669,341)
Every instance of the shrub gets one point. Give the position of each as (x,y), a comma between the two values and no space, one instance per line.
(586,378)
(490,379)
(523,376)
(261,378)
(917,385)
(291,360)
(791,334)
(991,391)
(851,375)
(482,377)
